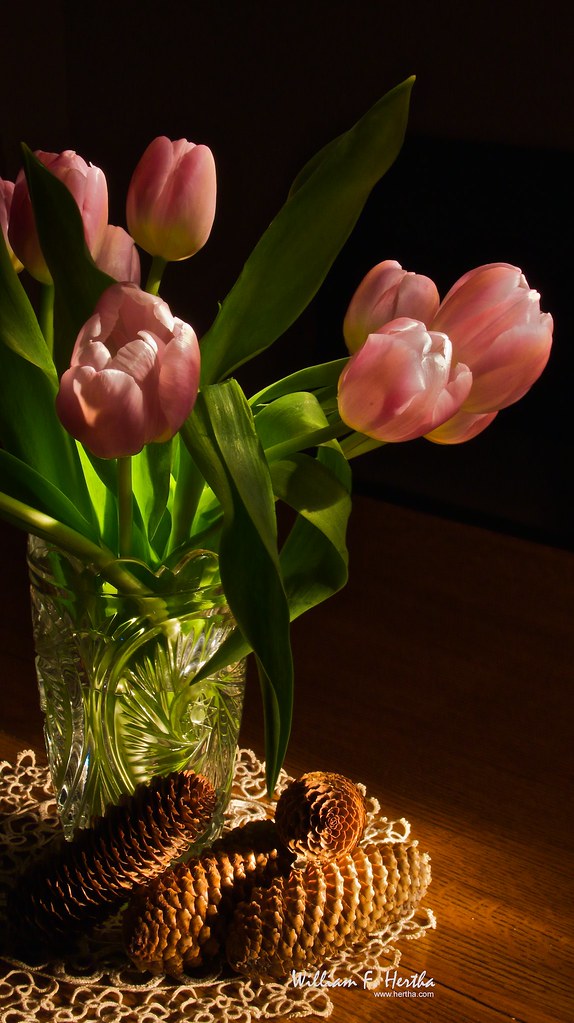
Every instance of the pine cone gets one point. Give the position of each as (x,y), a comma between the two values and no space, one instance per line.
(321,815)
(178,923)
(85,880)
(300,921)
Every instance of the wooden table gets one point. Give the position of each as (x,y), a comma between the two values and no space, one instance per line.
(441,677)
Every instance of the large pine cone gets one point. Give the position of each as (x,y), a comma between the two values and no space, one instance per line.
(300,921)
(321,815)
(179,922)
(85,880)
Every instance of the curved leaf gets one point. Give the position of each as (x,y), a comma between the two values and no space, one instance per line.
(19,328)
(24,484)
(31,431)
(312,378)
(292,259)
(223,442)
(314,560)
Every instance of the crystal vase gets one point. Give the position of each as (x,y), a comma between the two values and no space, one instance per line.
(116,666)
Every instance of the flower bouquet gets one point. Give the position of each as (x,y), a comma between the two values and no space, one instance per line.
(148,479)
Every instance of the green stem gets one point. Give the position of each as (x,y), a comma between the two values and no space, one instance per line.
(307,440)
(358,444)
(55,532)
(188,490)
(155,274)
(125,506)
(46,315)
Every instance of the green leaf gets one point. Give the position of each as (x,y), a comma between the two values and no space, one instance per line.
(31,431)
(28,486)
(314,558)
(19,328)
(77,280)
(289,417)
(223,442)
(102,489)
(151,474)
(292,259)
(311,378)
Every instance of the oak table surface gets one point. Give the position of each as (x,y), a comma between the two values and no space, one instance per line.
(441,677)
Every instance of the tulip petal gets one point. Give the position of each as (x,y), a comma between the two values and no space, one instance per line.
(179,377)
(461,427)
(517,359)
(399,384)
(104,410)
(133,380)
(387,293)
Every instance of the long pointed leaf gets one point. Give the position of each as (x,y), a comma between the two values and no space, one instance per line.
(25,484)
(223,442)
(31,431)
(314,558)
(292,259)
(19,328)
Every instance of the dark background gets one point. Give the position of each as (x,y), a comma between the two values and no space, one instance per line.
(485,175)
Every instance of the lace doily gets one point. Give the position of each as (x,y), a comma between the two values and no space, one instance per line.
(98,983)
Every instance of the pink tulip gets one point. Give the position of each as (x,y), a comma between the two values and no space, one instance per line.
(387,293)
(6,193)
(133,377)
(171,198)
(401,383)
(118,256)
(497,329)
(88,187)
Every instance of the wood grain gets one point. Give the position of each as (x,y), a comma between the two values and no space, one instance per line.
(441,677)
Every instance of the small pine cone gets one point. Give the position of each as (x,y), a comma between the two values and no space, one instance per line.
(301,921)
(178,922)
(321,815)
(87,879)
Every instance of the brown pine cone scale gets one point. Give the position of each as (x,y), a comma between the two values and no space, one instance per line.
(179,922)
(87,879)
(300,921)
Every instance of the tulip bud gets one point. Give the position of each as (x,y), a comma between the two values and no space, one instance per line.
(133,377)
(497,329)
(171,198)
(401,383)
(88,187)
(387,293)
(118,256)
(6,193)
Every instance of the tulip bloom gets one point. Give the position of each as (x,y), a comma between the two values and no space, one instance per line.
(88,187)
(494,321)
(387,293)
(118,256)
(133,377)
(401,384)
(6,193)
(171,199)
